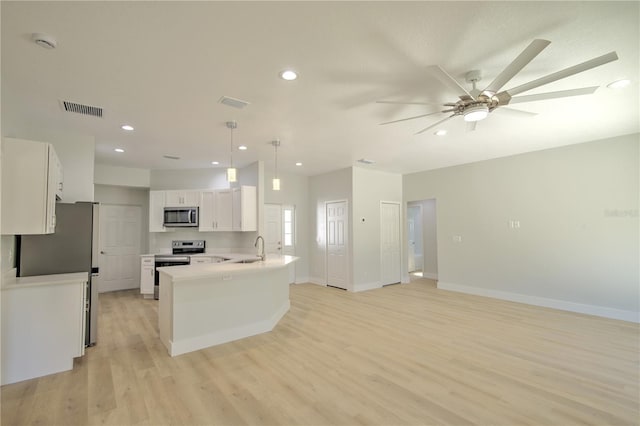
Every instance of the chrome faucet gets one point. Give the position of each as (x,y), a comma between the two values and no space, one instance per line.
(262,256)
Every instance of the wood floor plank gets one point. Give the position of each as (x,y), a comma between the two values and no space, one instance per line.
(401,355)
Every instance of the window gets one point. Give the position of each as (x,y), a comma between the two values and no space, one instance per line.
(288,226)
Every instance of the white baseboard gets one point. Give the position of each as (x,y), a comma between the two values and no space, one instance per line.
(224,336)
(366,286)
(302,280)
(600,311)
(430,275)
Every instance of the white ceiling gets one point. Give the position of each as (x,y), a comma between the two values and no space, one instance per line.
(162,67)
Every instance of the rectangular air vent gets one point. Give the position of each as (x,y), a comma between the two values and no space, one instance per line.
(81,109)
(365,161)
(232,102)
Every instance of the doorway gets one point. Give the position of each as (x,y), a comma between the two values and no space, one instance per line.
(422,245)
(337,244)
(119,259)
(390,253)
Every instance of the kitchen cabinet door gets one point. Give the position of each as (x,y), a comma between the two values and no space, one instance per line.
(245,209)
(223,206)
(147,272)
(29,202)
(182,198)
(207,211)
(156,211)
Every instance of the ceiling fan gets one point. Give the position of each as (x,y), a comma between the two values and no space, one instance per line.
(475,105)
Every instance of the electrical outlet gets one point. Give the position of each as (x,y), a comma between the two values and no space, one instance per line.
(457,238)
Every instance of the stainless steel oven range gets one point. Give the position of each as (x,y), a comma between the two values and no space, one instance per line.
(180,251)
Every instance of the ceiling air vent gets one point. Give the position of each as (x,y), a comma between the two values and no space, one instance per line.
(81,109)
(366,161)
(232,102)
(171,157)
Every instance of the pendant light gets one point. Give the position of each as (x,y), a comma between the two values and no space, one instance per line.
(231,171)
(276,180)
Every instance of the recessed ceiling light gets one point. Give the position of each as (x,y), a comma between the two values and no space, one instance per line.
(288,75)
(440,132)
(242,148)
(119,150)
(126,127)
(620,84)
(298,164)
(215,163)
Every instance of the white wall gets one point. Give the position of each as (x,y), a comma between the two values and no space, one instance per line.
(120,195)
(121,176)
(369,189)
(333,186)
(214,178)
(295,191)
(577,245)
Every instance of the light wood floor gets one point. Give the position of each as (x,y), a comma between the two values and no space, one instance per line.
(405,354)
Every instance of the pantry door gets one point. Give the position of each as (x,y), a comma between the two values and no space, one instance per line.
(337,244)
(390,256)
(119,259)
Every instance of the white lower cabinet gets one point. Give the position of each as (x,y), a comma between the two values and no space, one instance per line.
(43,325)
(147,275)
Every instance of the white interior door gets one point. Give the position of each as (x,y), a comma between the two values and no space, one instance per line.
(279,232)
(273,229)
(119,247)
(337,244)
(390,269)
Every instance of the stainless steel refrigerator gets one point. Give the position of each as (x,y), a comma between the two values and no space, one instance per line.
(72,248)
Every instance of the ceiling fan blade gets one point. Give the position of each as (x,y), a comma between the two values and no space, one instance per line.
(515,112)
(406,103)
(417,116)
(436,123)
(595,62)
(471,126)
(520,62)
(445,78)
(553,95)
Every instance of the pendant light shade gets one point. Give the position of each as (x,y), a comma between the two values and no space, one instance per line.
(231,171)
(276,180)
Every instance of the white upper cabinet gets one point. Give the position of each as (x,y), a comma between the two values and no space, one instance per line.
(182,198)
(207,211)
(245,209)
(223,206)
(220,210)
(156,211)
(32,179)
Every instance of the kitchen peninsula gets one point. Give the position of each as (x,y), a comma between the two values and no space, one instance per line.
(208,304)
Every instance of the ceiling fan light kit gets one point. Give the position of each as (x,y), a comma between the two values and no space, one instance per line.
(475,105)
(476,112)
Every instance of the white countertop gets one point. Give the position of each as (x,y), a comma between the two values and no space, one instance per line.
(41,280)
(194,272)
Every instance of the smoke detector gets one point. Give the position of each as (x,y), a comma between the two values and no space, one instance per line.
(44,40)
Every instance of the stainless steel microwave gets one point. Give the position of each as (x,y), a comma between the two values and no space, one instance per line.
(181,217)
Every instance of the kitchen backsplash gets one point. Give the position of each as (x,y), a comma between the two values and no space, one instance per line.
(237,242)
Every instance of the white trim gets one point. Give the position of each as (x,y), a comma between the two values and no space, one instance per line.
(429,275)
(348,241)
(302,280)
(9,274)
(217,338)
(601,311)
(366,286)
